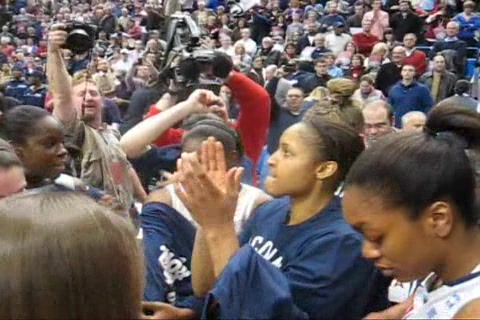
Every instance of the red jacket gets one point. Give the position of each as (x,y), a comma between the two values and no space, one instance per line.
(419,60)
(253,120)
(365,42)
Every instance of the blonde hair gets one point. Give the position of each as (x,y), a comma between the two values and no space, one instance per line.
(381,46)
(66,257)
(82,77)
(319,93)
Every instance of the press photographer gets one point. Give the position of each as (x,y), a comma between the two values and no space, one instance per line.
(78,106)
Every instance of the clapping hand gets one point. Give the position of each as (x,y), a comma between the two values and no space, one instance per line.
(206,188)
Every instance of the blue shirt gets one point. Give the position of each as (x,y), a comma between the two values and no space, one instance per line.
(35,96)
(414,97)
(168,245)
(16,89)
(311,270)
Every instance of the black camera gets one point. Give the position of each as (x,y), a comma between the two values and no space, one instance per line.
(185,58)
(80,38)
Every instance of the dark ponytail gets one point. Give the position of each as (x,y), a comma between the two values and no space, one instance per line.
(412,170)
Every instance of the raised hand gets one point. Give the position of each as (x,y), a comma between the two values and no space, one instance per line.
(207,189)
(57,37)
(201,100)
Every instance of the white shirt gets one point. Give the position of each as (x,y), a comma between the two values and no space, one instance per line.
(250,46)
(337,43)
(122,65)
(445,301)
(246,200)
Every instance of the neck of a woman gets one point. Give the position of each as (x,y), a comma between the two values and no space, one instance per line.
(462,257)
(305,207)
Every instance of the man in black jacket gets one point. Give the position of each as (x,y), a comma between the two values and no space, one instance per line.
(319,79)
(405,21)
(390,73)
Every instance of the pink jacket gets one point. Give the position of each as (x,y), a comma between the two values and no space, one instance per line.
(379,23)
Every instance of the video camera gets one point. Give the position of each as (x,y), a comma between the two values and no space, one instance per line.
(80,38)
(186,62)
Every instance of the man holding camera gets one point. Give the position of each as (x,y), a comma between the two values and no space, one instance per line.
(78,105)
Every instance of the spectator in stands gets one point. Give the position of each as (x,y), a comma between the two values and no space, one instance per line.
(454,47)
(17,87)
(378,18)
(357,68)
(226,45)
(268,53)
(405,21)
(282,85)
(367,92)
(355,21)
(414,57)
(333,70)
(414,121)
(328,21)
(338,39)
(308,40)
(390,73)
(439,81)
(248,43)
(37,91)
(378,117)
(409,95)
(462,96)
(291,114)
(320,78)
(469,24)
(320,47)
(365,40)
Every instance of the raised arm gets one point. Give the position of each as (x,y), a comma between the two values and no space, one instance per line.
(58,77)
(254,117)
(136,140)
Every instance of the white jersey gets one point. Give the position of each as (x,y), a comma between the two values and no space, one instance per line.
(246,200)
(445,301)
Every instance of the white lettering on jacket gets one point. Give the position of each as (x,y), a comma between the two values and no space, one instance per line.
(173,268)
(267,250)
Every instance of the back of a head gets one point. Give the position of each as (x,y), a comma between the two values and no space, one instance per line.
(66,257)
(219,130)
(455,119)
(462,86)
(18,124)
(347,113)
(463,123)
(8,157)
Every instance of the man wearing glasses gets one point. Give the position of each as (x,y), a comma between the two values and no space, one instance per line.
(378,117)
